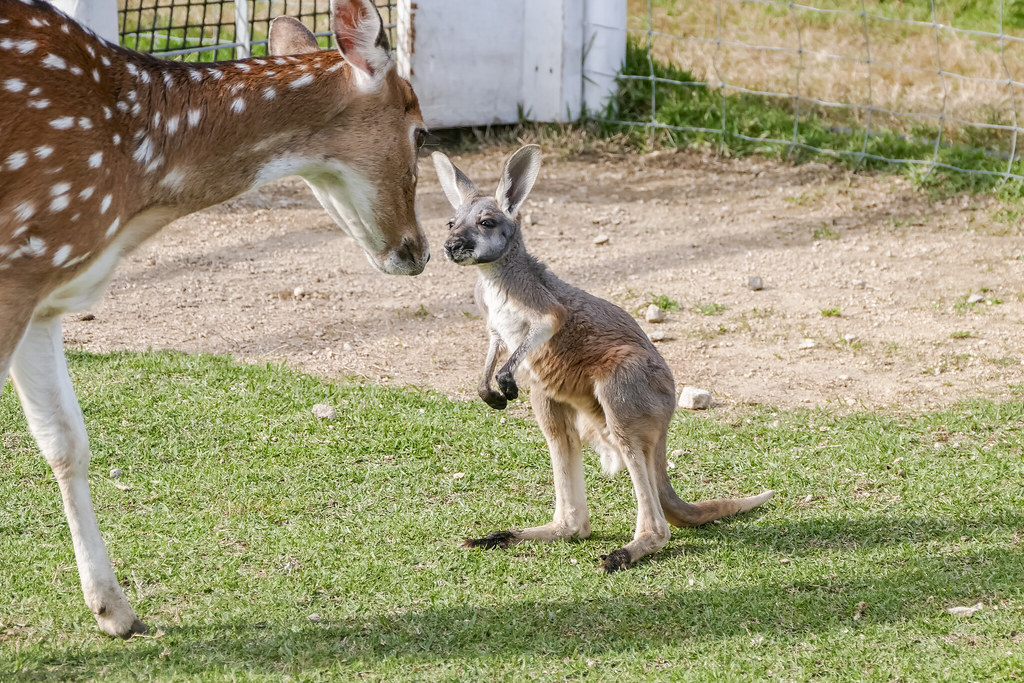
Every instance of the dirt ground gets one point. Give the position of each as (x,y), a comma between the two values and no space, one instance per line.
(269,277)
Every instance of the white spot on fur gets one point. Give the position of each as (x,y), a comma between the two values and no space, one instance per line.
(35,246)
(136,108)
(43,151)
(61,255)
(174,180)
(243,66)
(156,120)
(302,81)
(168,80)
(107,114)
(39,104)
(14,85)
(269,93)
(144,76)
(60,188)
(17,160)
(105,204)
(105,60)
(194,117)
(35,91)
(22,46)
(59,203)
(132,69)
(96,160)
(96,75)
(133,96)
(195,75)
(122,107)
(85,123)
(114,226)
(24,211)
(238,105)
(63,123)
(77,71)
(261,62)
(20,231)
(332,69)
(144,152)
(92,52)
(172,125)
(86,193)
(155,164)
(216,73)
(116,139)
(52,61)
(281,61)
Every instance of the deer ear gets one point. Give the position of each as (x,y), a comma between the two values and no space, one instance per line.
(457,187)
(517,179)
(289,37)
(361,37)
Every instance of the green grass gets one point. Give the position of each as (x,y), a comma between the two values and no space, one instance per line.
(663,302)
(710,308)
(245,515)
(833,312)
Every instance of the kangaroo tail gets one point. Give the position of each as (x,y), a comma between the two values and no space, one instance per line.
(680,513)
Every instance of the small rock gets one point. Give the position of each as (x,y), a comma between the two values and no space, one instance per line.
(975,299)
(859,612)
(657,336)
(807,344)
(654,314)
(849,338)
(965,611)
(314,617)
(755,283)
(346,347)
(692,398)
(458,475)
(528,220)
(677,452)
(324,412)
(116,473)
(298,292)
(86,317)
(601,239)
(844,378)
(859,284)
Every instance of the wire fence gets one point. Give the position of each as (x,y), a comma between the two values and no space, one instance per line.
(212,30)
(914,83)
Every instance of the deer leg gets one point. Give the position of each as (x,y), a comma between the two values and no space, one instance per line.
(54,417)
(558,422)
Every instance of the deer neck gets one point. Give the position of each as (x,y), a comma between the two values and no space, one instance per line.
(197,135)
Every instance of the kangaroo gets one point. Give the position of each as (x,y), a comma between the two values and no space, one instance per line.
(594,375)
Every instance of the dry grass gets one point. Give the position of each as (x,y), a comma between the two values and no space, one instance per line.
(903,74)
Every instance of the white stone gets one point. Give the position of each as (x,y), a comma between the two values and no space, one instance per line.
(975,299)
(601,239)
(807,344)
(692,398)
(657,336)
(654,314)
(116,473)
(323,411)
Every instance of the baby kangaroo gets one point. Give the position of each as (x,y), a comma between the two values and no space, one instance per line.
(594,376)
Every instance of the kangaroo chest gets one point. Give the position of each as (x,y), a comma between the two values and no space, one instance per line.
(509,318)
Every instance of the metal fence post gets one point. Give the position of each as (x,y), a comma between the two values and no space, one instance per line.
(243,38)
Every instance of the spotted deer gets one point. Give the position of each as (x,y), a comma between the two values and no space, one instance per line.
(594,376)
(101,146)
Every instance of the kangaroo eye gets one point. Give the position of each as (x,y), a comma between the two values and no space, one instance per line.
(451,224)
(487,223)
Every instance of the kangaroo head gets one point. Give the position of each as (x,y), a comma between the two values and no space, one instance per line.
(483,228)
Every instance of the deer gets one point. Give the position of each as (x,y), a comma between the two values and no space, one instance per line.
(101,146)
(593,375)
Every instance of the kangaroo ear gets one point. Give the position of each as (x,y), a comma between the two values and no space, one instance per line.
(289,37)
(361,37)
(457,187)
(517,179)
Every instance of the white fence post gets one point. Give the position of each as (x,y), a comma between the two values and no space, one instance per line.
(243,38)
(479,62)
(98,15)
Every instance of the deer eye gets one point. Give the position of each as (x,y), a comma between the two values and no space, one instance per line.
(421,137)
(487,223)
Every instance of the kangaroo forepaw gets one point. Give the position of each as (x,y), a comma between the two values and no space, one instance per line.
(498,539)
(614,561)
(494,399)
(507,385)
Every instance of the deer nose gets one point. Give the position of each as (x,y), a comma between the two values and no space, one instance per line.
(410,257)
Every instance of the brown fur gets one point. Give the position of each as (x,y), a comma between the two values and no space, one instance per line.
(594,376)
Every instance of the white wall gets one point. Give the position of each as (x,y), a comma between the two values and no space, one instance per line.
(478,62)
(99,15)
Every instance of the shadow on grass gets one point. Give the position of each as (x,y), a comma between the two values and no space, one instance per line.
(808,596)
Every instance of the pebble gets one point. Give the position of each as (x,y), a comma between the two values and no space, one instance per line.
(298,292)
(657,336)
(314,617)
(87,317)
(677,452)
(324,411)
(849,338)
(859,284)
(116,473)
(692,398)
(347,347)
(808,344)
(755,283)
(601,239)
(654,314)
(975,299)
